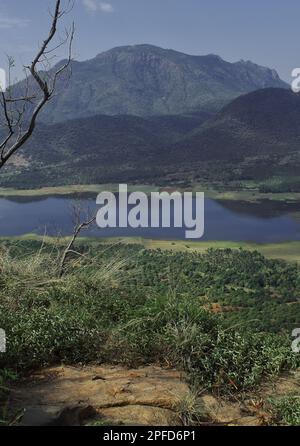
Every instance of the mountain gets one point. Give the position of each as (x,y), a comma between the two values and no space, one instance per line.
(145,80)
(256,137)
(261,123)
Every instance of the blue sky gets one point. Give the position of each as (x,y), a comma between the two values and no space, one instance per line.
(264,31)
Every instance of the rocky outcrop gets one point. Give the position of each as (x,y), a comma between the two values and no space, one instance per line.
(152,396)
(74,396)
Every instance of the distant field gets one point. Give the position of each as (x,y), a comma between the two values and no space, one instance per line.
(71,190)
(288,251)
(253,196)
(243,195)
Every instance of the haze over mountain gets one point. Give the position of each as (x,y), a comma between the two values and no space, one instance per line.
(256,137)
(145,80)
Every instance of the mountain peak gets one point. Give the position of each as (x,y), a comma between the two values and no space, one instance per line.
(145,80)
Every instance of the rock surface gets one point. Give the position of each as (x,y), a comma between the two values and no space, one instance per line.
(72,396)
(152,396)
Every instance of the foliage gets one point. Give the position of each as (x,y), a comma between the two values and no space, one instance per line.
(286,410)
(120,303)
(6,377)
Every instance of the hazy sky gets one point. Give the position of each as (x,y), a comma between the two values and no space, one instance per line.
(264,31)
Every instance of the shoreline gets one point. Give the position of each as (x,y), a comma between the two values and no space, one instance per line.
(251,196)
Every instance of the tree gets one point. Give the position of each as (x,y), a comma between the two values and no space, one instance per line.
(82,219)
(20,112)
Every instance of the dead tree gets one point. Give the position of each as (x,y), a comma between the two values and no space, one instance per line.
(20,112)
(82,219)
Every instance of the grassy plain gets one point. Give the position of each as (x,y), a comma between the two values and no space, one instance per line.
(250,195)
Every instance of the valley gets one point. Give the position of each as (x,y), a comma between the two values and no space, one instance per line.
(129,315)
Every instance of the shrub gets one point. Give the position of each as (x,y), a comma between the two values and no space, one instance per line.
(140,307)
(176,330)
(286,410)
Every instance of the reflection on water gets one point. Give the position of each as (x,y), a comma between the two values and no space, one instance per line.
(262,222)
(263,208)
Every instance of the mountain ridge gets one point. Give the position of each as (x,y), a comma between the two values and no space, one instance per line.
(145,80)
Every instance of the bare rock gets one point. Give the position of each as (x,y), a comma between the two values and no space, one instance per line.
(72,395)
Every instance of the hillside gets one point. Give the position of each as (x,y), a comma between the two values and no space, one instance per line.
(146,80)
(97,149)
(116,308)
(254,138)
(258,135)
(262,122)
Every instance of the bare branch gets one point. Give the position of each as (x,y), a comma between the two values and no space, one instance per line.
(77,230)
(14,109)
(25,99)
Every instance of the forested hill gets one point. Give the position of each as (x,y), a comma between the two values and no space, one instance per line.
(146,80)
(262,123)
(256,137)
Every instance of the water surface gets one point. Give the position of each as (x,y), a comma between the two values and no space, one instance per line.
(263,222)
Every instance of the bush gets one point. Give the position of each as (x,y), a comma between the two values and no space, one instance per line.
(177,331)
(127,305)
(46,336)
(286,410)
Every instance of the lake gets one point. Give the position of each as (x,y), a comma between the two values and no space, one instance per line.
(263,222)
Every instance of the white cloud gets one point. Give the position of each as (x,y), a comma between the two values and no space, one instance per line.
(97,6)
(12,22)
(106,7)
